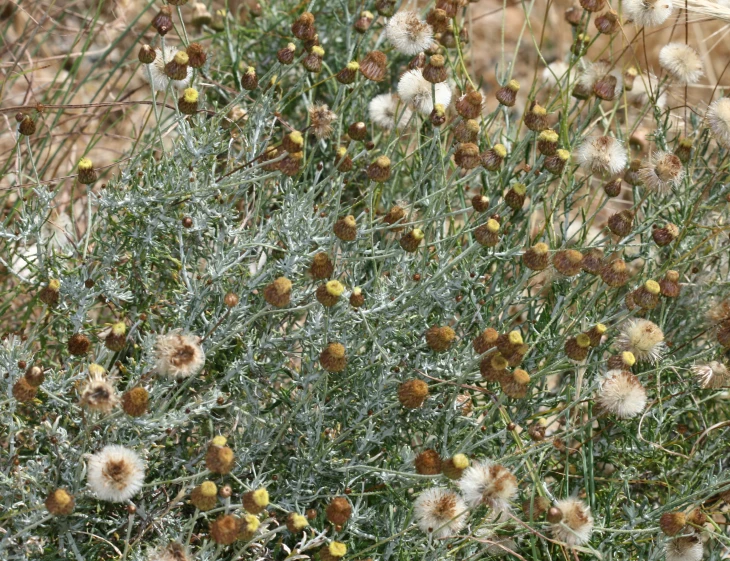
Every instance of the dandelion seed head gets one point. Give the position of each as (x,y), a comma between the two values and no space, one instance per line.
(408,33)
(440,511)
(321,120)
(684,548)
(415,90)
(681,62)
(661,172)
(115,473)
(648,13)
(602,154)
(98,394)
(178,355)
(643,338)
(385,108)
(718,116)
(622,394)
(488,483)
(712,375)
(576,526)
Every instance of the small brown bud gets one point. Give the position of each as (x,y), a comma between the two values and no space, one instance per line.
(333,358)
(322,267)
(467,155)
(328,294)
(23,391)
(615,273)
(672,523)
(303,27)
(286,54)
(621,223)
(554,515)
(486,340)
(612,188)
(374,66)
(196,55)
(669,285)
(357,131)
(536,118)
(515,197)
(536,257)
(219,458)
(135,401)
(362,24)
(439,339)
(346,228)
(357,299)
(480,203)
(469,106)
(35,376)
(577,347)
(250,80)
(592,261)
(78,344)
(231,299)
(607,23)
(428,462)
(666,235)
(568,262)
(60,502)
(162,22)
(225,530)
(488,233)
(205,496)
(379,170)
(339,511)
(278,293)
(412,393)
(410,241)
(146,54)
(507,94)
(493,158)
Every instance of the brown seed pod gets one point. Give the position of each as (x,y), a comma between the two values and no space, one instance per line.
(411,240)
(439,339)
(357,131)
(467,155)
(488,234)
(374,66)
(697,519)
(328,294)
(480,203)
(187,104)
(515,196)
(333,358)
(536,257)
(592,261)
(669,285)
(486,340)
(467,131)
(607,23)
(362,24)
(162,22)
(593,5)
(219,458)
(647,295)
(23,391)
(196,55)
(516,384)
(621,223)
(577,347)
(146,54)
(79,344)
(568,262)
(547,142)
(665,235)
(428,462)
(412,393)
(35,376)
(612,188)
(286,54)
(205,496)
(231,299)
(554,515)
(683,151)
(607,88)
(303,28)
(135,401)
(339,511)
(278,293)
(672,523)
(469,106)
(493,158)
(395,215)
(535,117)
(346,228)
(60,502)
(555,164)
(357,299)
(493,367)
(225,530)
(435,71)
(87,173)
(379,170)
(348,74)
(322,267)
(250,80)
(343,162)
(535,507)
(312,62)
(177,68)
(507,94)
(615,273)
(50,293)
(509,343)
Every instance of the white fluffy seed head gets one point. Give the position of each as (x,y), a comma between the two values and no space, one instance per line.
(488,483)
(718,116)
(154,73)
(440,511)
(712,375)
(115,473)
(647,13)
(684,548)
(601,154)
(681,62)
(178,355)
(415,90)
(622,394)
(408,33)
(385,108)
(555,72)
(643,338)
(661,172)
(577,524)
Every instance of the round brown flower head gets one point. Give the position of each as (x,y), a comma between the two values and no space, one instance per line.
(493,367)
(622,361)
(493,158)
(135,401)
(362,24)
(509,343)
(312,62)
(249,80)
(379,170)
(303,28)
(225,529)
(536,257)
(683,151)
(27,126)
(162,22)
(568,262)
(631,175)
(467,155)
(205,496)
(454,467)
(339,511)
(374,66)
(412,393)
(577,347)
(177,68)
(607,87)
(537,430)
(515,196)
(50,293)
(333,552)
(580,45)
(296,522)
(35,376)
(547,142)
(87,173)
(256,501)
(488,233)
(536,117)
(293,142)
(647,295)
(346,228)
(467,131)
(480,203)
(669,285)
(348,74)
(357,298)
(333,358)
(116,339)
(78,344)
(592,261)
(665,235)
(469,105)
(435,71)
(439,339)
(451,7)
(23,391)
(188,102)
(535,507)
(328,294)
(428,462)
(486,340)
(286,54)
(395,215)
(322,267)
(410,241)
(219,458)
(343,162)
(278,293)
(146,54)
(612,187)
(357,131)
(438,19)
(196,55)
(516,384)
(615,273)
(621,223)
(507,94)
(595,334)
(60,502)
(555,164)
(607,23)
(672,523)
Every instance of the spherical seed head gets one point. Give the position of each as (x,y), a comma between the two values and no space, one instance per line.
(296,522)
(78,344)
(335,288)
(357,131)
(225,529)
(428,462)
(412,393)
(379,170)
(439,339)
(146,54)
(60,502)
(286,55)
(672,523)
(339,511)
